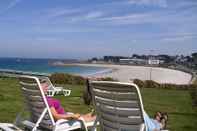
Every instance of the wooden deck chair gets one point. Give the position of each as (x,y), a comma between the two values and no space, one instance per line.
(54,89)
(40,114)
(118,106)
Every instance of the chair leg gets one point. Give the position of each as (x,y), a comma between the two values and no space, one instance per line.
(66,92)
(51,93)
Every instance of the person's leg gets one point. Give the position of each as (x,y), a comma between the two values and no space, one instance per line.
(150,125)
(88,117)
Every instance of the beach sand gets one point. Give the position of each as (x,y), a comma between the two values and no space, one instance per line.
(125,73)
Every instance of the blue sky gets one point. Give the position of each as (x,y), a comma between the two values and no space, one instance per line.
(88,28)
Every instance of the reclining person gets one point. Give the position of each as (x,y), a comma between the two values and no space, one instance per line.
(58,111)
(157,123)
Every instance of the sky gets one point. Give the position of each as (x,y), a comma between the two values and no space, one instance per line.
(83,29)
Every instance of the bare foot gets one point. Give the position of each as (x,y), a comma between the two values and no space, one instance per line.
(89,117)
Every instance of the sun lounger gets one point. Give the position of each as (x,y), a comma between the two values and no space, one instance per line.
(118,106)
(40,114)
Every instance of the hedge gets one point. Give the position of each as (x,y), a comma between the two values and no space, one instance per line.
(62,78)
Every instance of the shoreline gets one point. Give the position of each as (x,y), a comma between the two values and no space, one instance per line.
(126,73)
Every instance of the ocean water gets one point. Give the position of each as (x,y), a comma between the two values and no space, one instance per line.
(45,66)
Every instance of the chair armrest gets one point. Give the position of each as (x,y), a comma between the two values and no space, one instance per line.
(50,92)
(8,127)
(66,92)
(58,87)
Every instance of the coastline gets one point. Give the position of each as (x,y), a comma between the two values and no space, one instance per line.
(126,73)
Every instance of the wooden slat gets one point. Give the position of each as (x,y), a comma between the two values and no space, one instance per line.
(115,95)
(120,111)
(35,98)
(112,125)
(121,127)
(113,85)
(37,110)
(31,92)
(36,104)
(27,80)
(114,88)
(122,120)
(32,86)
(123,104)
(105,128)
(129,127)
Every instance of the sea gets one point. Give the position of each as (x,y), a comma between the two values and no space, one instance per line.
(46,66)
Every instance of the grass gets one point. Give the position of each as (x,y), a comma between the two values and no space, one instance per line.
(182,117)
(195,82)
(177,103)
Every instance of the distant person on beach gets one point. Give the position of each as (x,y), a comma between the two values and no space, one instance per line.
(152,124)
(58,111)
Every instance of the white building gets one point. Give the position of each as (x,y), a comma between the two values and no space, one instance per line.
(154,62)
(133,61)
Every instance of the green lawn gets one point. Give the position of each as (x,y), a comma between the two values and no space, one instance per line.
(182,117)
(195,82)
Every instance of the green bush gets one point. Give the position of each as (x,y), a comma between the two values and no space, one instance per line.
(140,83)
(107,79)
(151,84)
(62,78)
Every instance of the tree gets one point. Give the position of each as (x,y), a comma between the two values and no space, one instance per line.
(194,57)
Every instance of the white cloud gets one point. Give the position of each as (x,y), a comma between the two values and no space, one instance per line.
(169,17)
(51,13)
(64,29)
(11,5)
(86,17)
(47,39)
(160,3)
(70,15)
(179,37)
(93,15)
(134,18)
(185,4)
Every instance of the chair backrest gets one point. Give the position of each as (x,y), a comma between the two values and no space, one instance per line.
(118,105)
(35,100)
(48,81)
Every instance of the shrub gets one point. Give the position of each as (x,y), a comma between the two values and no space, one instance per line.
(151,84)
(138,82)
(78,80)
(62,78)
(107,79)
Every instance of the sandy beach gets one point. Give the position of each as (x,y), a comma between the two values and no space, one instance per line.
(125,73)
